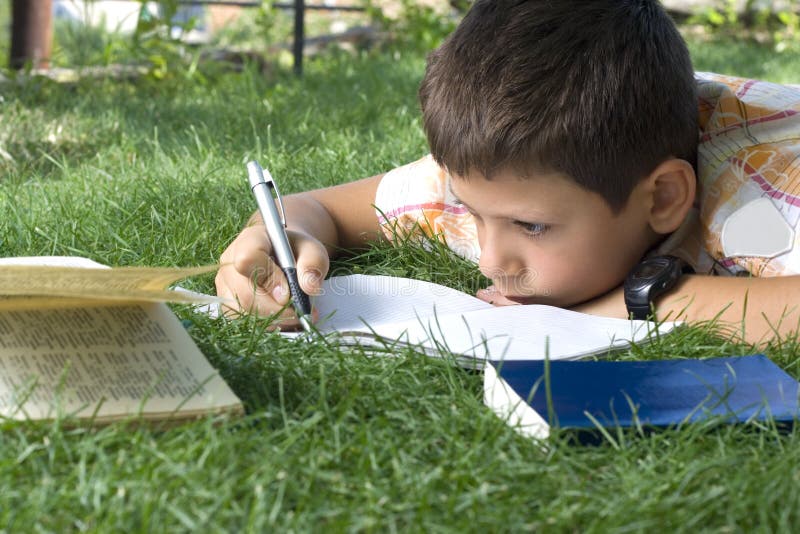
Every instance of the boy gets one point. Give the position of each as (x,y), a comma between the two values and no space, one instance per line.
(564,137)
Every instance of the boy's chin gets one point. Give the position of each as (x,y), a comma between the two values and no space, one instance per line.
(548,300)
(530,299)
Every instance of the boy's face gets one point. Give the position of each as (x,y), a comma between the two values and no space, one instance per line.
(544,239)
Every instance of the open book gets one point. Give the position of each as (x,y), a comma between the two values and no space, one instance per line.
(81,340)
(394,312)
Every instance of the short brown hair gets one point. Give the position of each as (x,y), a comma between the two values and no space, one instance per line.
(600,90)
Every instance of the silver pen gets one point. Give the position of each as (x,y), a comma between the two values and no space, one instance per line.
(275,222)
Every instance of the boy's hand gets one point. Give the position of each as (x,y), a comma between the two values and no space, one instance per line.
(250,276)
(493,296)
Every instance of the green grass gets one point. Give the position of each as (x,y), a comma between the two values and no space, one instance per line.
(152,173)
(741,57)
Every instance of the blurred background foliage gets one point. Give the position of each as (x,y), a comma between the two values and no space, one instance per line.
(163,39)
(771,23)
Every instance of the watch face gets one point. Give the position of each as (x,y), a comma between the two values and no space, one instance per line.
(647,271)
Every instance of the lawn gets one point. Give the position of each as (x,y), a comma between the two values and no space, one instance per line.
(152,173)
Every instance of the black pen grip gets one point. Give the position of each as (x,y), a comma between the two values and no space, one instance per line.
(301,301)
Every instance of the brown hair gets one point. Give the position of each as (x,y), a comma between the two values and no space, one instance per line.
(600,90)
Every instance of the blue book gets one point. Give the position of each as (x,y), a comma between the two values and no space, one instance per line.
(587,395)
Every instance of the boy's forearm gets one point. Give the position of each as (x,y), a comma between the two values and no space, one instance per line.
(754,310)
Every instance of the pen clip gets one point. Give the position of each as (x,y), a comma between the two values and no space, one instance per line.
(274,187)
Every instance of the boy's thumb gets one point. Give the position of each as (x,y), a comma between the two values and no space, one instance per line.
(312,264)
(280,293)
(310,281)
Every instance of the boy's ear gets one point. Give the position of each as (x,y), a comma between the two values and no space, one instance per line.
(671,189)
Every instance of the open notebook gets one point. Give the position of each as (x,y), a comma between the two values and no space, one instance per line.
(394,312)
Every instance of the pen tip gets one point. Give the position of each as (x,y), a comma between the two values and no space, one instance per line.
(305,322)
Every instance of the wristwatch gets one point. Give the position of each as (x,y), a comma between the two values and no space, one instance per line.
(649,279)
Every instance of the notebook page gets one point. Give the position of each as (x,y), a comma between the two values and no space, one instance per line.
(347,302)
(523,332)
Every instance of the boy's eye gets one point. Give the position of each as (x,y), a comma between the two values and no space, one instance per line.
(532,229)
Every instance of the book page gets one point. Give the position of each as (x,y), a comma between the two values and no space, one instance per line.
(60,281)
(129,283)
(127,359)
(347,302)
(53,261)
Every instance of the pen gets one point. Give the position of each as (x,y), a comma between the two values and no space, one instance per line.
(275,222)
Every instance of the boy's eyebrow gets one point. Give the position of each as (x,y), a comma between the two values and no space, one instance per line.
(458,201)
(453,194)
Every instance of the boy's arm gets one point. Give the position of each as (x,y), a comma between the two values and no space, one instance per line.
(351,212)
(753,309)
(319,224)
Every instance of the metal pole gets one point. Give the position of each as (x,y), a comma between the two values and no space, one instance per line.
(31,33)
(299,35)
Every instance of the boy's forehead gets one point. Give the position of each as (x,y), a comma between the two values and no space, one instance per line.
(532,178)
(502,184)
(543,195)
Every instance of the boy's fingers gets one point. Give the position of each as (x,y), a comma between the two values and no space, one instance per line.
(244,298)
(312,264)
(249,276)
(249,255)
(494,297)
(240,294)
(256,301)
(250,252)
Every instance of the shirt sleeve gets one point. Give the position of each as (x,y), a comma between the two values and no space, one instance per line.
(415,200)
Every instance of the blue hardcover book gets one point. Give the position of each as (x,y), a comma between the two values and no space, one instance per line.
(662,393)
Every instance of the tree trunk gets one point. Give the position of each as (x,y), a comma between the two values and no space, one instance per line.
(31,33)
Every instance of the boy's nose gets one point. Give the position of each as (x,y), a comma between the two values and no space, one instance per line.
(498,259)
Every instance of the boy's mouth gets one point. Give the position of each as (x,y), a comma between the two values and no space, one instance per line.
(524,299)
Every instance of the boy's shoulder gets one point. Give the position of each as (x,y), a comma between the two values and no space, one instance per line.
(729,104)
(416,199)
(748,175)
